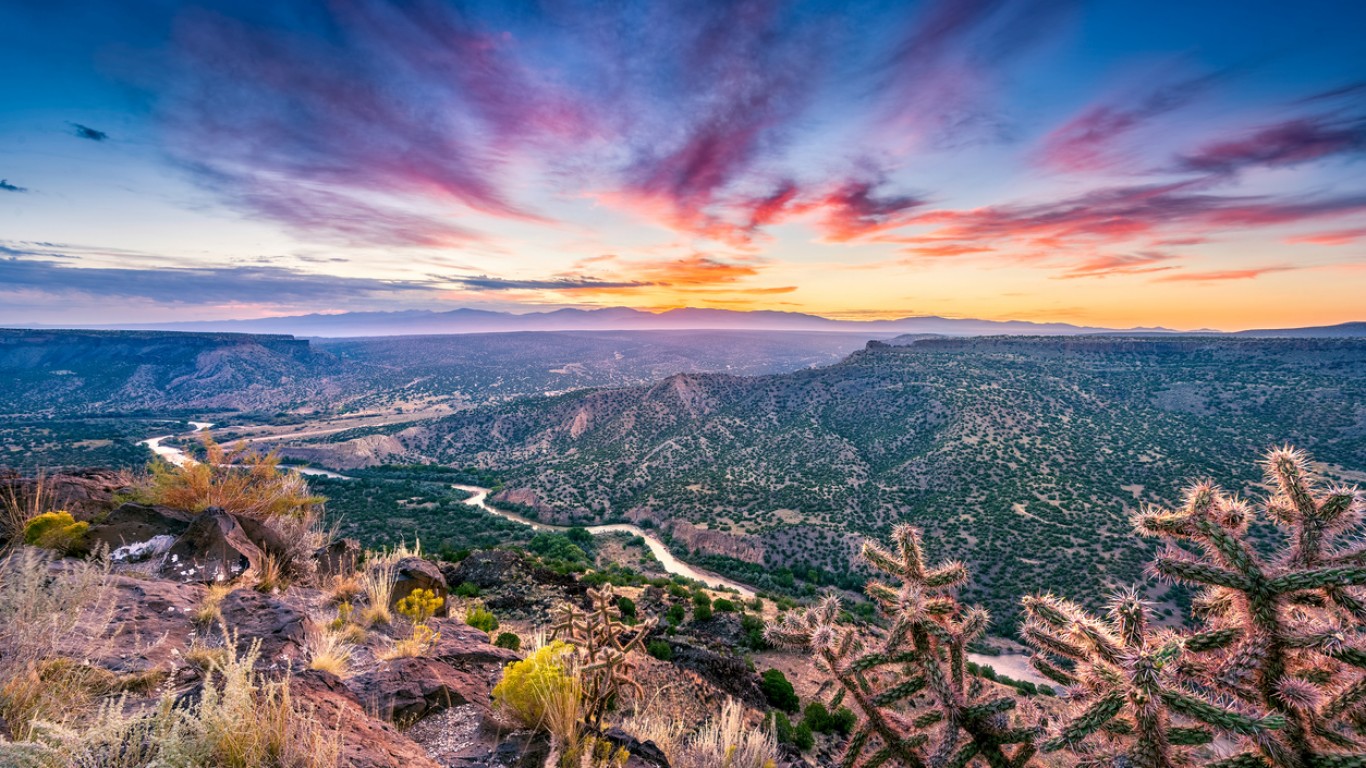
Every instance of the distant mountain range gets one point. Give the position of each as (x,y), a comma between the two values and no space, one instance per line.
(422,322)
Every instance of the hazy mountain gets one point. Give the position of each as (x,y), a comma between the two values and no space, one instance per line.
(1343,330)
(78,371)
(613,318)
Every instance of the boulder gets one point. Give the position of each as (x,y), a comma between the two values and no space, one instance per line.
(463,646)
(410,688)
(644,754)
(367,742)
(136,523)
(213,548)
(416,573)
(726,672)
(280,627)
(338,558)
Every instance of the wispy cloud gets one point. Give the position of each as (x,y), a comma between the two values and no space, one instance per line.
(5,186)
(486,283)
(1092,139)
(1120,264)
(1222,275)
(1285,144)
(86,132)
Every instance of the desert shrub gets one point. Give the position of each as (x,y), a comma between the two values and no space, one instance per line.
(56,531)
(802,738)
(676,614)
(238,481)
(778,692)
(627,606)
(467,589)
(782,726)
(753,628)
(529,686)
(701,611)
(723,605)
(417,607)
(481,618)
(660,650)
(508,640)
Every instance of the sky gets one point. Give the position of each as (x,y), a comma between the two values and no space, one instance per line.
(1157,163)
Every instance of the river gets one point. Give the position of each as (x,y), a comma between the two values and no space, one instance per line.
(1012,665)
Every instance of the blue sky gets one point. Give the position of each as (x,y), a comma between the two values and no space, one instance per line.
(1118,163)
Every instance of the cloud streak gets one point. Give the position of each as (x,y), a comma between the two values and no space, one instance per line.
(5,186)
(86,132)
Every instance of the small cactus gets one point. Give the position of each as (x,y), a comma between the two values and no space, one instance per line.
(602,640)
(922,651)
(1293,621)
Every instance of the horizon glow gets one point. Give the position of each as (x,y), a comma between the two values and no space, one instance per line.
(1100,163)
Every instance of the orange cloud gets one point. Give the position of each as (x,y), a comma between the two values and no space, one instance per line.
(1216,276)
(1338,237)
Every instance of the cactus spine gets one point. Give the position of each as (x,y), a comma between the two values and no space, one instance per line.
(1124,679)
(1295,619)
(922,650)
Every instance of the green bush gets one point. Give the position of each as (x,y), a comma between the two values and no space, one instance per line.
(528,684)
(56,530)
(676,614)
(753,627)
(508,640)
(782,728)
(723,605)
(778,691)
(660,650)
(701,612)
(803,738)
(480,617)
(627,606)
(467,589)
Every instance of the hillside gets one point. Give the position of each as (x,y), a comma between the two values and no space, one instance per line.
(1022,456)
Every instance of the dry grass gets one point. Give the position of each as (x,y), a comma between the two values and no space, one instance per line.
(417,644)
(238,481)
(329,651)
(240,721)
(51,616)
(22,501)
(209,609)
(344,588)
(377,582)
(726,741)
(272,575)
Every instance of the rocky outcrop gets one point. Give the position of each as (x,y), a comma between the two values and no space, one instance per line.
(367,742)
(408,689)
(512,586)
(135,523)
(716,542)
(278,626)
(213,548)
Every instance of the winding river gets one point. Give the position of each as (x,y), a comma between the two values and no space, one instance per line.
(1012,665)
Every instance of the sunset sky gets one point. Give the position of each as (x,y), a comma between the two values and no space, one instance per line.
(1167,162)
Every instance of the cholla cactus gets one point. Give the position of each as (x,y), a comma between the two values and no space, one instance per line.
(1294,620)
(602,639)
(922,650)
(1125,681)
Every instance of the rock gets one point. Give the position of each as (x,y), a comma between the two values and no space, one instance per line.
(280,627)
(408,689)
(727,672)
(463,646)
(155,621)
(367,742)
(644,754)
(338,558)
(523,749)
(416,573)
(213,548)
(142,550)
(136,523)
